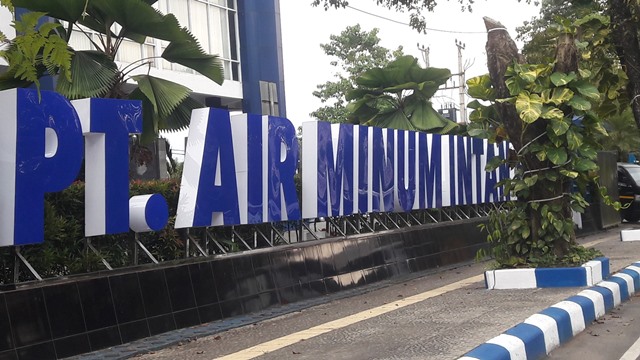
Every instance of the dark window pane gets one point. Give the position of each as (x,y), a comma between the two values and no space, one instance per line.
(235,71)
(232,35)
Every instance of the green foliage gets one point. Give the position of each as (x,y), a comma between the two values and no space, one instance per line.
(415,8)
(623,134)
(355,51)
(590,23)
(94,75)
(7,4)
(509,233)
(38,49)
(555,167)
(398,96)
(65,252)
(36,52)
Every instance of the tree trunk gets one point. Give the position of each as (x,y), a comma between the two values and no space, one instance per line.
(625,38)
(501,53)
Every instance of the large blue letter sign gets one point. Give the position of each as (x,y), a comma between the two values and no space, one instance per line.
(392,170)
(40,152)
(383,170)
(238,170)
(429,171)
(106,124)
(406,174)
(256,186)
(209,192)
(335,173)
(283,161)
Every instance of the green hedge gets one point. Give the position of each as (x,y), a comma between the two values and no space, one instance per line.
(65,251)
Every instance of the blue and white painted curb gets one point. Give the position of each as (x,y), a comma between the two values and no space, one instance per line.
(539,334)
(630,235)
(588,274)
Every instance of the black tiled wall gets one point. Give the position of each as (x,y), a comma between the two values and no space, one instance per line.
(82,315)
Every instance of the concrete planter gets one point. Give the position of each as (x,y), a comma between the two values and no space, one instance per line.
(588,274)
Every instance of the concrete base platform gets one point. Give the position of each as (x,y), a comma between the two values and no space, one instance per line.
(588,274)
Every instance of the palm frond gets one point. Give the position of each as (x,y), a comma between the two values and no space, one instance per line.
(189,53)
(67,10)
(93,74)
(138,17)
(164,95)
(180,118)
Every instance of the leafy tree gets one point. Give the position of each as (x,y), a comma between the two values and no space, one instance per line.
(623,135)
(94,73)
(415,8)
(398,96)
(540,34)
(593,30)
(546,111)
(355,50)
(588,23)
(624,17)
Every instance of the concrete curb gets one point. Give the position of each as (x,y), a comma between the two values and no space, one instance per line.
(541,333)
(589,274)
(630,235)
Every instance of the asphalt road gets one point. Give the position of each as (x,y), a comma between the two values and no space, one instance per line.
(440,315)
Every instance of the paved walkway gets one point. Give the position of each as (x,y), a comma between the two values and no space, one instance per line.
(437,315)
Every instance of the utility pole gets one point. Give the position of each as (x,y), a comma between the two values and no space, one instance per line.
(461,86)
(425,54)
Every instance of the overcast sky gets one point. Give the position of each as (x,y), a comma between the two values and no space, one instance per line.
(305,27)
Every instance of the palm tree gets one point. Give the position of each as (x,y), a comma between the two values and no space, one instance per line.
(398,96)
(94,73)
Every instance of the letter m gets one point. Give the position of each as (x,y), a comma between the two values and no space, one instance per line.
(335,174)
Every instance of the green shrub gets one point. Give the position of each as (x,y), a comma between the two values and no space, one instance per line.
(65,251)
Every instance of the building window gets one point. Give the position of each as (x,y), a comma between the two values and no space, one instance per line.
(269,98)
(212,22)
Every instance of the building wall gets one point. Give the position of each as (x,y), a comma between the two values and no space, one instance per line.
(5,26)
(261,51)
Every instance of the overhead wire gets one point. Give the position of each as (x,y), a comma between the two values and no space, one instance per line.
(407,24)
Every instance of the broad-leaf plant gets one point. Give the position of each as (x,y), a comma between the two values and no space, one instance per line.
(42,49)
(554,149)
(398,96)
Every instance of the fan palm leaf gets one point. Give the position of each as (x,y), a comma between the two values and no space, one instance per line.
(137,17)
(189,53)
(93,74)
(163,94)
(180,118)
(167,105)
